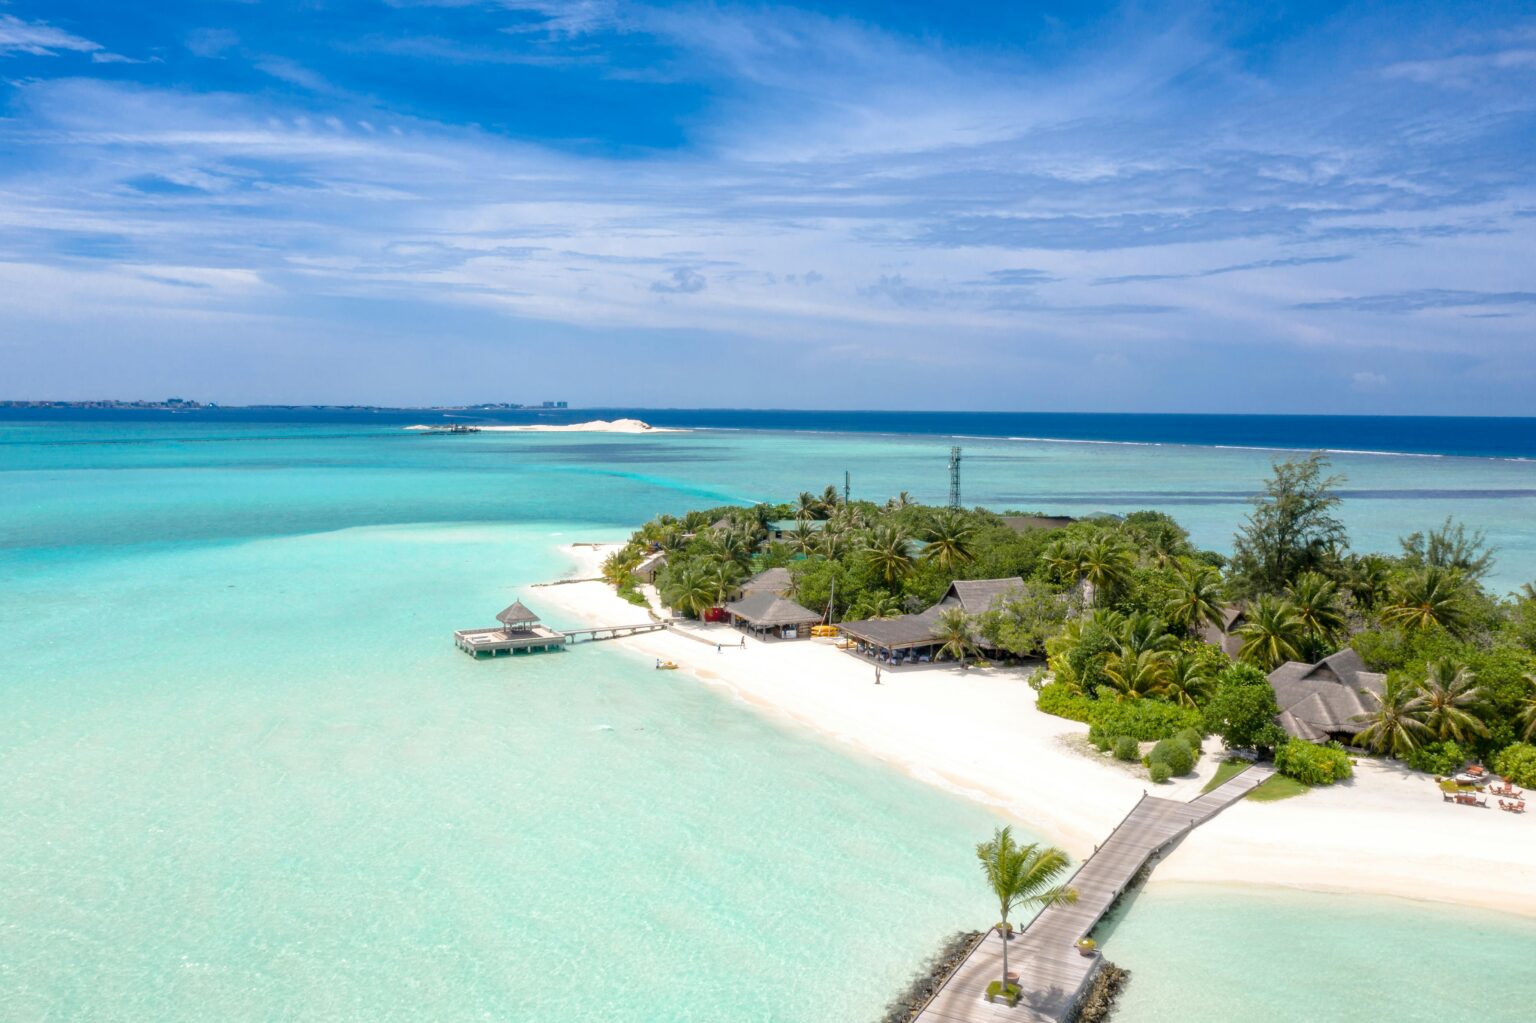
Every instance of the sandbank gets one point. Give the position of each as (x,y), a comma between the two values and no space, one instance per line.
(977,733)
(593,426)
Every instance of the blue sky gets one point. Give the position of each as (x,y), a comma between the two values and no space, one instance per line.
(1278,207)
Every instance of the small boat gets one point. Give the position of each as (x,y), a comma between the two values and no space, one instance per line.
(666,666)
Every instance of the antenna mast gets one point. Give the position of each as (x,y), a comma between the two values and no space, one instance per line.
(847,486)
(954,477)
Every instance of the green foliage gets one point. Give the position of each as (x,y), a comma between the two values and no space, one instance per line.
(1437,758)
(1517,762)
(1277,787)
(1159,771)
(1126,748)
(1243,710)
(1175,753)
(1192,738)
(1010,994)
(1024,619)
(1449,545)
(1312,765)
(1145,720)
(1060,699)
(1292,528)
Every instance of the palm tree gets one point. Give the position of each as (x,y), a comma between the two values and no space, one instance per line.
(803,539)
(1272,634)
(833,543)
(1427,597)
(953,631)
(1448,701)
(1367,577)
(888,554)
(900,501)
(1022,876)
(1064,558)
(1394,727)
(1105,563)
(1316,600)
(1142,632)
(875,604)
(1197,599)
(1133,675)
(950,540)
(1188,682)
(1528,710)
(690,590)
(831,497)
(808,506)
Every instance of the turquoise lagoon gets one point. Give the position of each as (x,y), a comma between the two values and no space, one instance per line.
(245,776)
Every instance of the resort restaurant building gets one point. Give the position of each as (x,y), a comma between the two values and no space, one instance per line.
(913,638)
(768,614)
(1326,701)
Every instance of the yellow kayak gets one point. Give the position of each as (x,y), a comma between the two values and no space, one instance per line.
(665,666)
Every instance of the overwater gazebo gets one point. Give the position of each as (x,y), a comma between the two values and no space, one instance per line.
(517,618)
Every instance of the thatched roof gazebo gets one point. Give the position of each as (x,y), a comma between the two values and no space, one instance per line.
(517,617)
(765,611)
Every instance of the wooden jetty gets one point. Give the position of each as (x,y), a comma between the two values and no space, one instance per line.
(1054,975)
(521,631)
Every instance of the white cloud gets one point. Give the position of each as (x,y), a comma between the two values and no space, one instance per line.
(38,38)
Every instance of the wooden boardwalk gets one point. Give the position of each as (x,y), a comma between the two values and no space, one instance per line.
(1053,974)
(539,639)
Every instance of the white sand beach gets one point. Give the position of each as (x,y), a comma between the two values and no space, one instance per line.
(592,426)
(977,733)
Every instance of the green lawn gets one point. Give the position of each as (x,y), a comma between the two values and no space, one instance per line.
(1225,771)
(1277,787)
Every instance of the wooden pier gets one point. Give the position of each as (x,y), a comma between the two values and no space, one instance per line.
(521,632)
(1053,974)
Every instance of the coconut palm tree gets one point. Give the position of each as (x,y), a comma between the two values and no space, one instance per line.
(900,501)
(808,506)
(875,604)
(1022,876)
(831,497)
(833,543)
(690,590)
(1527,713)
(888,552)
(953,631)
(1135,674)
(1105,563)
(1428,597)
(1272,634)
(1196,601)
(1449,700)
(1315,598)
(1144,632)
(1064,559)
(803,539)
(1394,727)
(1367,577)
(951,540)
(1189,681)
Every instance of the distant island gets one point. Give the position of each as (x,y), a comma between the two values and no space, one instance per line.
(183,404)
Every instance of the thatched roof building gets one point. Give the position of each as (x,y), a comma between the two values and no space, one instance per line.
(1326,700)
(1024,523)
(517,616)
(1233,617)
(764,611)
(773,580)
(908,632)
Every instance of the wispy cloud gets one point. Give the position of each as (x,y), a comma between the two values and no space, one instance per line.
(1258,264)
(1421,299)
(39,38)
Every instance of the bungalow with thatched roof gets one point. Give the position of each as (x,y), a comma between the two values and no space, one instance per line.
(917,634)
(1327,700)
(517,617)
(767,613)
(1233,617)
(647,569)
(773,580)
(1025,523)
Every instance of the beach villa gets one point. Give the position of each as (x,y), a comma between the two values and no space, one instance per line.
(1325,701)
(766,613)
(1233,617)
(915,636)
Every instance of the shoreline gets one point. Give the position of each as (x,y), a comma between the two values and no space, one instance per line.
(977,735)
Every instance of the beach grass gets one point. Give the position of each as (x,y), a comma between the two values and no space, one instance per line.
(1276,788)
(1225,771)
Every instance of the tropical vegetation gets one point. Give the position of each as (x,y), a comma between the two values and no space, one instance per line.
(1021,877)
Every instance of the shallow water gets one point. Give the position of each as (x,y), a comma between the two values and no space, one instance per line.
(245,775)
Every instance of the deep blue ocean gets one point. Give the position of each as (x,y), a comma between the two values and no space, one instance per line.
(1486,437)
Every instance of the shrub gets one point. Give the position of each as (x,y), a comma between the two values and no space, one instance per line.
(1160,771)
(1312,765)
(1193,738)
(1011,995)
(1058,698)
(1146,720)
(1126,748)
(1518,764)
(1175,754)
(1437,757)
(1243,711)
(1099,738)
